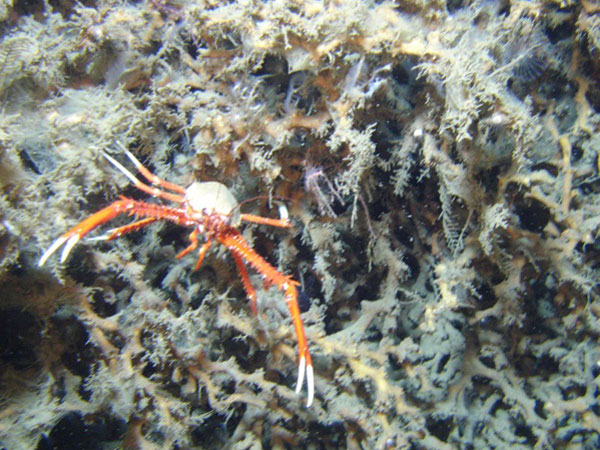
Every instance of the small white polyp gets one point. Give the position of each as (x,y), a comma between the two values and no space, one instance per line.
(283,212)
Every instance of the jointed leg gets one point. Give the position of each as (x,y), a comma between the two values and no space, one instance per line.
(240,249)
(123,206)
(154,191)
(201,254)
(283,222)
(250,292)
(193,244)
(119,231)
(150,176)
(72,236)
(305,364)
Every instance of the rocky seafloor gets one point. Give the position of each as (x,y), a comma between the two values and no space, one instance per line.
(440,164)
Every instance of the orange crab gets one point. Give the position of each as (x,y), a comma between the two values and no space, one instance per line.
(209,207)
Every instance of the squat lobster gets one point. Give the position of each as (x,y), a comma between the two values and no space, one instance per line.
(208,207)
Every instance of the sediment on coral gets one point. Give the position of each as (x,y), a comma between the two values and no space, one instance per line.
(440,164)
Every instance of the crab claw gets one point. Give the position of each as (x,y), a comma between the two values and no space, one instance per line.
(71,240)
(73,236)
(303,368)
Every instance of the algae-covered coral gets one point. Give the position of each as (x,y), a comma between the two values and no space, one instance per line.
(440,163)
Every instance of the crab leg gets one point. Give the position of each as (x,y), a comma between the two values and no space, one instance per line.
(236,244)
(201,254)
(119,231)
(123,206)
(72,236)
(283,222)
(149,175)
(154,191)
(190,248)
(250,292)
(305,360)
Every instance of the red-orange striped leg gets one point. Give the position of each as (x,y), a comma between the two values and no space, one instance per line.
(250,292)
(304,358)
(154,191)
(194,244)
(72,236)
(150,176)
(123,206)
(119,231)
(236,244)
(202,253)
(283,223)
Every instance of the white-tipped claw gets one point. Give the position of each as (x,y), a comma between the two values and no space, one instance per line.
(310,384)
(310,380)
(301,370)
(68,247)
(48,253)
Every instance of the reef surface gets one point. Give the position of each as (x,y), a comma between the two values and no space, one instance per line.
(440,163)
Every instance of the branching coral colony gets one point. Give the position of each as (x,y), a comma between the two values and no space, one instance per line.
(211,209)
(471,130)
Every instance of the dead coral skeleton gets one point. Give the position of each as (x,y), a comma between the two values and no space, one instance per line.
(327,193)
(211,209)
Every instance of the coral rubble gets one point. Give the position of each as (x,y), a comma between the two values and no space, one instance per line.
(440,161)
